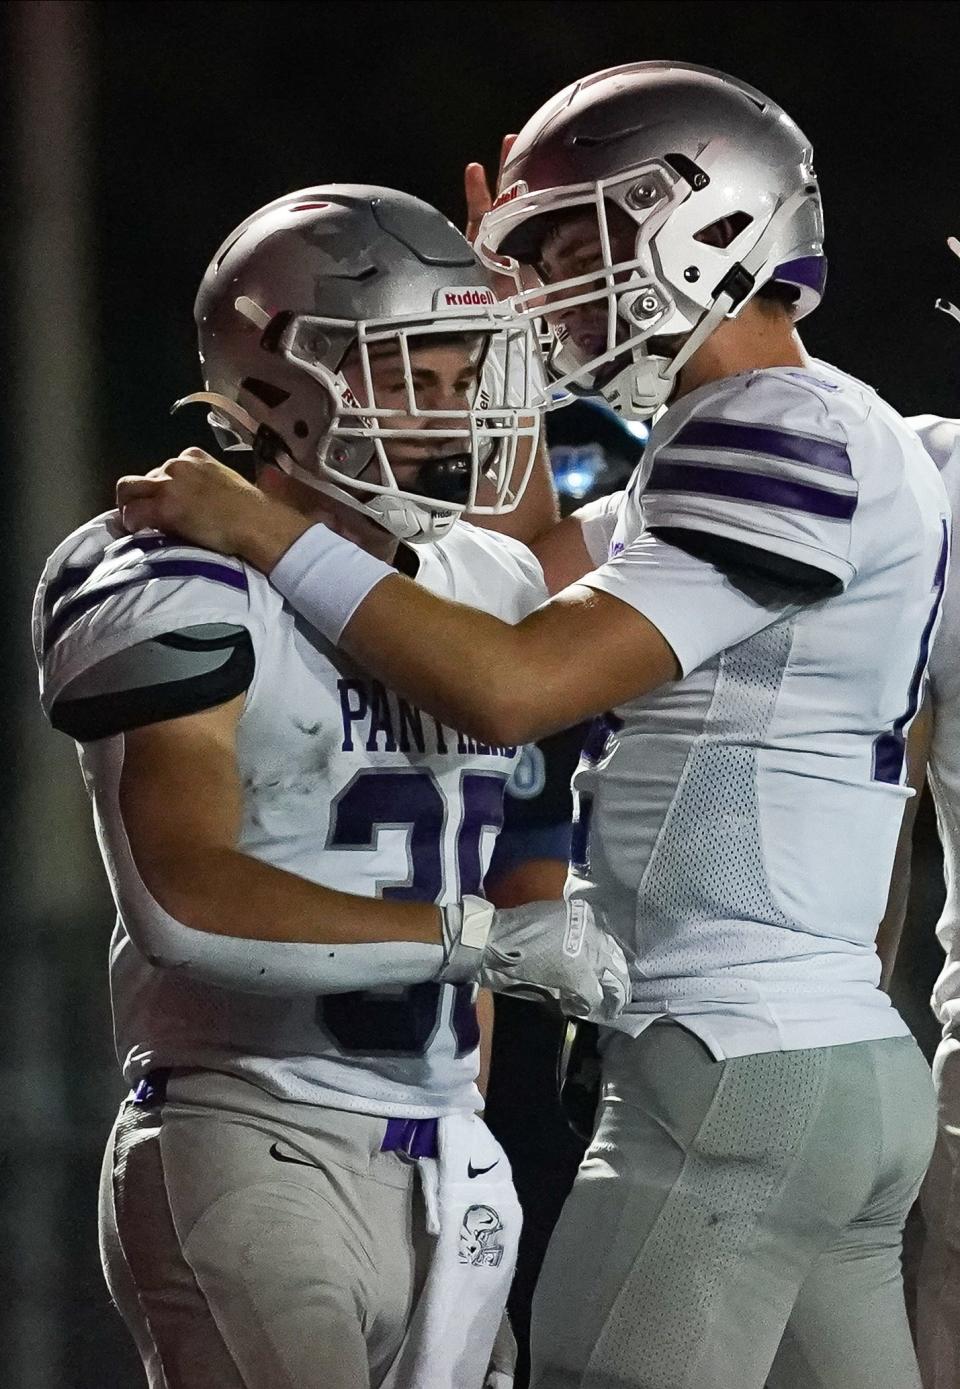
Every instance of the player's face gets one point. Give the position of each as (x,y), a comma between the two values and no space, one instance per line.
(444,375)
(572,248)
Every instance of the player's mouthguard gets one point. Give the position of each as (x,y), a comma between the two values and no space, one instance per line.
(445,479)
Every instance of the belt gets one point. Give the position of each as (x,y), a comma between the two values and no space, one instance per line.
(411,1138)
(152,1088)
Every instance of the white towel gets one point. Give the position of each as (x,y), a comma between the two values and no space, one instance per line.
(474,1214)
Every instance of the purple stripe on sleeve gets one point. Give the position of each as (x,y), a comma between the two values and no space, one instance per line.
(760,438)
(73,608)
(70,577)
(165,568)
(750,487)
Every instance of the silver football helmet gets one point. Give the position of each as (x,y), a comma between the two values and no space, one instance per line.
(718,186)
(296,315)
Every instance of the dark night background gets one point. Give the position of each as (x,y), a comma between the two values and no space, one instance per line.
(135,136)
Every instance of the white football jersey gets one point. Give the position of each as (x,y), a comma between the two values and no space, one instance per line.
(737,828)
(345,784)
(941,439)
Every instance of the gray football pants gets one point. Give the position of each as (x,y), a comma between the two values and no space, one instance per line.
(738,1224)
(237,1269)
(938,1277)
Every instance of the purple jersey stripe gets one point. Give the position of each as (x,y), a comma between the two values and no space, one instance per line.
(750,487)
(166,568)
(69,578)
(72,609)
(760,438)
(889,750)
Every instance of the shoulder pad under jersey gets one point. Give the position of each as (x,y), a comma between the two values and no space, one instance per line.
(763,460)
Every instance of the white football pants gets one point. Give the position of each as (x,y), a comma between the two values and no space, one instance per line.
(253,1243)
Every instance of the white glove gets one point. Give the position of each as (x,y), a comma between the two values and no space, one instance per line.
(552,949)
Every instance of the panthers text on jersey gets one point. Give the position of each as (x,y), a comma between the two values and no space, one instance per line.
(345,784)
(738,827)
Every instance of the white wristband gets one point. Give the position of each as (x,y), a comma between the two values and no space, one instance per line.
(326,578)
(466,926)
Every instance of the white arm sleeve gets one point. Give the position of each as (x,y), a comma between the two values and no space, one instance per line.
(598,520)
(252,966)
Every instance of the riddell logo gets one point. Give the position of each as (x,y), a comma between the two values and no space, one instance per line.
(349,399)
(457,298)
(508,194)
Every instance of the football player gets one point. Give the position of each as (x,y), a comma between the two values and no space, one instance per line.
(299,1192)
(753,643)
(935,751)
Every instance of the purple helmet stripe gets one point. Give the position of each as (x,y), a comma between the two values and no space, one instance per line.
(808,271)
(682,476)
(71,609)
(760,438)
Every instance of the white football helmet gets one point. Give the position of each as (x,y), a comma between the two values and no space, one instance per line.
(719,185)
(349,273)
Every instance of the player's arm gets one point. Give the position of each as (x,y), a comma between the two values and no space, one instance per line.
(653,613)
(580,654)
(159,732)
(169,801)
(891,927)
(578,544)
(181,802)
(485,1018)
(537,513)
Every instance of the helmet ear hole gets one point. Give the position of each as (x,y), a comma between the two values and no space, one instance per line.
(724,231)
(271,395)
(275,330)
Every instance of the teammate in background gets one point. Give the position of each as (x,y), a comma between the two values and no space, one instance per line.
(299,1192)
(936,752)
(759,633)
(592,453)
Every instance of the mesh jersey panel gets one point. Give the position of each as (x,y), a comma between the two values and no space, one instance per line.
(709,850)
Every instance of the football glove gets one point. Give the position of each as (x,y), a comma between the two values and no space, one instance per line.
(552,950)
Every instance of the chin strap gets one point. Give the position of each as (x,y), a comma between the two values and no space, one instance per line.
(223,405)
(399,518)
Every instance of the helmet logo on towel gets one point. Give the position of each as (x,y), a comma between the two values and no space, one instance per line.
(477,1245)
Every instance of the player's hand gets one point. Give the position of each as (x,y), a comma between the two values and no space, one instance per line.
(480,196)
(208,504)
(476,186)
(543,949)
